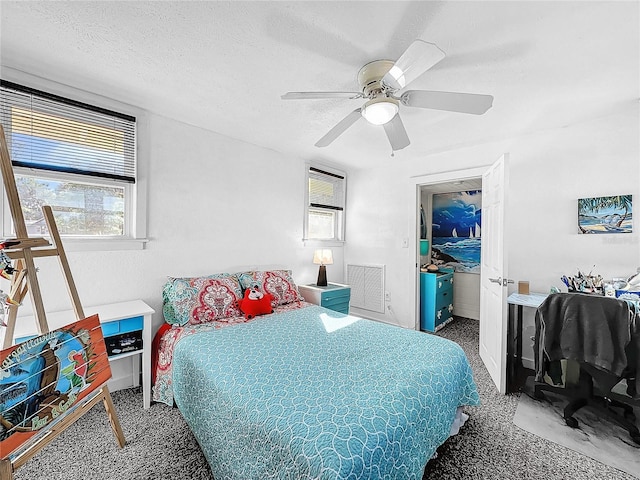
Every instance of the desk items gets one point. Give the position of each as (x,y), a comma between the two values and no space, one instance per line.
(592,284)
(429,267)
(630,290)
(619,287)
(523,287)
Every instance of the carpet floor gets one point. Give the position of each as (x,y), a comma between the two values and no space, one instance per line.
(596,436)
(161,446)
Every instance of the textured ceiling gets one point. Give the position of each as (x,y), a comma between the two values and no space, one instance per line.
(223,65)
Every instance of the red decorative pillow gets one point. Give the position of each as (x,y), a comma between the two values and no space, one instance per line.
(255,303)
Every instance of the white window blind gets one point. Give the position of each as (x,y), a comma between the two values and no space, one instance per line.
(326,204)
(48,132)
(326,190)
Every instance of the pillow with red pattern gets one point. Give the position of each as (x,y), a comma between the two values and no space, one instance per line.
(278,283)
(197,300)
(255,303)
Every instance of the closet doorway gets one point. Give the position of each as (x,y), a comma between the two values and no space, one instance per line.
(453,232)
(494,271)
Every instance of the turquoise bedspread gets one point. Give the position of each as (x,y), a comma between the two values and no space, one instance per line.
(313,393)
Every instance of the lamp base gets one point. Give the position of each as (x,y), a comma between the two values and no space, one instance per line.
(322,276)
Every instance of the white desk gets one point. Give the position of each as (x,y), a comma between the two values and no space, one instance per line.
(108,313)
(516,303)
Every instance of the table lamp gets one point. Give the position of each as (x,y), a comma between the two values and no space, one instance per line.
(322,258)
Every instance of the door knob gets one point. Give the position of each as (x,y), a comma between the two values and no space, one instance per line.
(500,281)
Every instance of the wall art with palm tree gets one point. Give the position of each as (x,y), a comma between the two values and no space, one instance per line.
(605,214)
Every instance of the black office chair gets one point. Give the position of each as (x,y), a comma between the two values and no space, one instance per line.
(595,389)
(569,314)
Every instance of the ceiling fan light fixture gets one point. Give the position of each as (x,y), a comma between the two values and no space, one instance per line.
(379,111)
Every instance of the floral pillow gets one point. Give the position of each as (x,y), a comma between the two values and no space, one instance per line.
(278,283)
(199,300)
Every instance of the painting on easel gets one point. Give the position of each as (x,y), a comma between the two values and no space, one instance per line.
(47,382)
(605,214)
(45,377)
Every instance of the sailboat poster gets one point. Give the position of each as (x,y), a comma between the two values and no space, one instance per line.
(456,231)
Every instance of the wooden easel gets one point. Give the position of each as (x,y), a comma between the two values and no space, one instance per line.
(25,280)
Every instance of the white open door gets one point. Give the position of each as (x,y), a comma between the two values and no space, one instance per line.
(493,276)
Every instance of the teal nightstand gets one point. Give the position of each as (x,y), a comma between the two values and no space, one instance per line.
(334,296)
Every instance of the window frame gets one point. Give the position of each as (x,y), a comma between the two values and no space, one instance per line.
(135,207)
(340,214)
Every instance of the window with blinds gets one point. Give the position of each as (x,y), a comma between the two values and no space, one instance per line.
(77,158)
(325,208)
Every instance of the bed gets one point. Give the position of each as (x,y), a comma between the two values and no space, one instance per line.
(307,392)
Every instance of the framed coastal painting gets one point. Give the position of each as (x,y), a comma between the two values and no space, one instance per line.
(605,214)
(43,379)
(456,232)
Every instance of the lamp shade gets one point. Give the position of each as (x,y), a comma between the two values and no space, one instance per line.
(379,111)
(323,257)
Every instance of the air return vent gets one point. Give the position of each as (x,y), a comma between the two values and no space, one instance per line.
(367,286)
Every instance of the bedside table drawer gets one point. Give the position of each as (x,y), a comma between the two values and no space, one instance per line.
(340,303)
(340,308)
(125,325)
(336,295)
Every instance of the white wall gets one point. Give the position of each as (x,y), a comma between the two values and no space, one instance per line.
(466,295)
(549,171)
(215,204)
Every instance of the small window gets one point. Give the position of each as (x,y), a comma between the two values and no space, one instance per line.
(325,206)
(77,158)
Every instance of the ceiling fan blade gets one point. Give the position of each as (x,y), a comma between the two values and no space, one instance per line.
(319,95)
(417,59)
(450,101)
(396,133)
(339,129)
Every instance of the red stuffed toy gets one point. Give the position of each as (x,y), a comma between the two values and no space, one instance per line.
(255,303)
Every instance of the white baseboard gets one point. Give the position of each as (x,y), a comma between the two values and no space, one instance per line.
(116,384)
(467,311)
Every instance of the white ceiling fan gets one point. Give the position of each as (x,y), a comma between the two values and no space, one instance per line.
(381,80)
